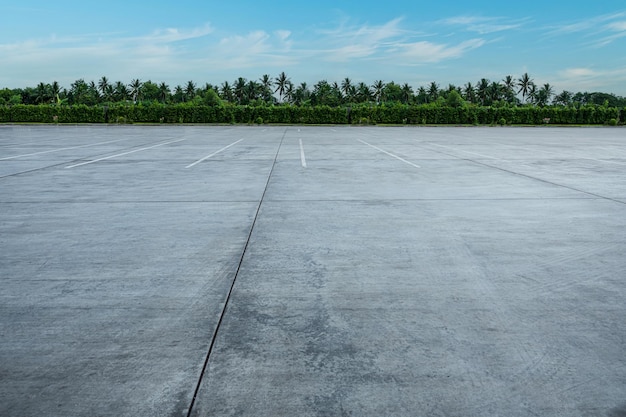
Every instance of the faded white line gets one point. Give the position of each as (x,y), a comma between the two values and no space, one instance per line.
(459,150)
(122,154)
(302,158)
(59,150)
(213,154)
(481,155)
(562,156)
(388,153)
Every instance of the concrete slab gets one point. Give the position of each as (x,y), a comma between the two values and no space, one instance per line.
(400,271)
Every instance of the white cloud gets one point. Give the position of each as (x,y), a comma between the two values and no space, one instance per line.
(588,79)
(283,34)
(429,52)
(175,34)
(578,72)
(482,25)
(590,25)
(257,50)
(347,43)
(617,26)
(389,42)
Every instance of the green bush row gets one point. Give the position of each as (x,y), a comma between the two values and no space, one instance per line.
(427,114)
(366,114)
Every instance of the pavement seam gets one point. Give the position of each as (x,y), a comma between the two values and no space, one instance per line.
(232,285)
(529,177)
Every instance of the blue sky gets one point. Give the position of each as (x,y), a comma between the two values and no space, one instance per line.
(573,45)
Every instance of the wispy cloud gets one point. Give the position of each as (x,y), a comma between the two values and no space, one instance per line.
(590,25)
(176,34)
(255,49)
(589,79)
(362,41)
(483,25)
(213,52)
(429,52)
(392,43)
(67,58)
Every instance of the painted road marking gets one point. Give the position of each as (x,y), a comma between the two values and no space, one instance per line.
(390,154)
(122,154)
(562,156)
(459,150)
(479,154)
(59,150)
(213,154)
(302,158)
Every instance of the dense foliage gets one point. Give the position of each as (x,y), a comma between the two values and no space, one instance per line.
(278,100)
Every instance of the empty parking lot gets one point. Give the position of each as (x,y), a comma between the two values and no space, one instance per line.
(312,271)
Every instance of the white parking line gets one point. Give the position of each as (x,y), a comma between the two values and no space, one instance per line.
(459,150)
(388,153)
(562,156)
(213,154)
(124,153)
(302,158)
(59,150)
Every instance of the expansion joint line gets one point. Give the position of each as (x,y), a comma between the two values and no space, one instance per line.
(508,171)
(232,285)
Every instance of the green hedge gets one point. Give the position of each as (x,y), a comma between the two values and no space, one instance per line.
(362,114)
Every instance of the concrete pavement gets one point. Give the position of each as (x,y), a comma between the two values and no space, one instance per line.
(312,271)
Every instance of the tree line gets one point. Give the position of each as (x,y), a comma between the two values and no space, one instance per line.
(267,90)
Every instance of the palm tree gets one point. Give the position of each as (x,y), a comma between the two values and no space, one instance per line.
(433,91)
(108,93)
(42,93)
(301,94)
(253,90)
(93,92)
(532,92)
(482,91)
(509,88)
(240,90)
(544,95)
(78,91)
(378,88)
(363,92)
(282,82)
(190,90)
(407,93)
(565,98)
(227,92)
(469,94)
(120,91)
(345,87)
(103,84)
(524,85)
(164,92)
(422,95)
(135,89)
(55,89)
(179,94)
(266,84)
(289,92)
(495,92)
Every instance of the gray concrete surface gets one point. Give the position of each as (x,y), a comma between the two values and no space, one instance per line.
(377,271)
